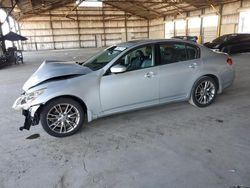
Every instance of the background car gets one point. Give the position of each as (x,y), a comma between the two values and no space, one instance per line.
(189,38)
(231,43)
(123,77)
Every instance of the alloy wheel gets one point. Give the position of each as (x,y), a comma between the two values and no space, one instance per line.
(63,118)
(205,92)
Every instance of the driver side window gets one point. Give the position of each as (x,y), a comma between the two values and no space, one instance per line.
(138,59)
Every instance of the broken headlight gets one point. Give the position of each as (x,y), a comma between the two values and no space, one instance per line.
(29,97)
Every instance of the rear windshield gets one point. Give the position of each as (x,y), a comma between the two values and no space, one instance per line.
(224,38)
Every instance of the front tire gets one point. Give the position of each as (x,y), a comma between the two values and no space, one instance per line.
(227,49)
(204,92)
(62,117)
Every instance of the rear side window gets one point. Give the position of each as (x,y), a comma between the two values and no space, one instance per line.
(192,52)
(172,53)
(241,38)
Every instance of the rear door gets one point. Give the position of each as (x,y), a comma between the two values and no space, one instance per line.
(179,62)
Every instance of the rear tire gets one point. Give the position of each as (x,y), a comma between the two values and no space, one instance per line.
(62,117)
(204,92)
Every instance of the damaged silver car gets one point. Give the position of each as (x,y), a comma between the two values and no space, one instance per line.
(123,77)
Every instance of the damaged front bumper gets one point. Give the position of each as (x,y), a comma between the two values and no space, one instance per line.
(31,118)
(30,112)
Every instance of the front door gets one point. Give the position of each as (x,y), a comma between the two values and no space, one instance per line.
(137,87)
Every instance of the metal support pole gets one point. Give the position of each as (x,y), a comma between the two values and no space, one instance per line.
(2,44)
(78,28)
(52,31)
(126,29)
(8,21)
(164,27)
(201,37)
(174,28)
(19,29)
(148,28)
(219,20)
(187,24)
(16,31)
(104,28)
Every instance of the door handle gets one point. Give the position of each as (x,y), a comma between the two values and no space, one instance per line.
(193,65)
(150,75)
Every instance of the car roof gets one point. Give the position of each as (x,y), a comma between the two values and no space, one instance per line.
(236,34)
(149,41)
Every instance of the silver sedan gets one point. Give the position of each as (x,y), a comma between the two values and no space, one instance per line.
(123,77)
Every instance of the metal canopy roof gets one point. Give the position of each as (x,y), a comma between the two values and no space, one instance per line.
(147,9)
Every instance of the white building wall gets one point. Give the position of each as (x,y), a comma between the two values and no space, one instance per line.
(83,28)
(229,21)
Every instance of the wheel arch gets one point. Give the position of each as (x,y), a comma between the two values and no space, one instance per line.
(213,76)
(77,99)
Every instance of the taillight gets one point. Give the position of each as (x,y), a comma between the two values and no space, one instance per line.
(230,61)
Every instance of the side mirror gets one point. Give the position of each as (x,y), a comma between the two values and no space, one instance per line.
(118,69)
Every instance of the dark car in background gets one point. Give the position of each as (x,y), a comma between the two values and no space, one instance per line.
(3,61)
(231,43)
(189,38)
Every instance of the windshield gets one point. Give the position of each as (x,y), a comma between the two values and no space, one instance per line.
(223,38)
(101,59)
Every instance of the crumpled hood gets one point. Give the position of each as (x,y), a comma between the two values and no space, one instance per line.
(50,70)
